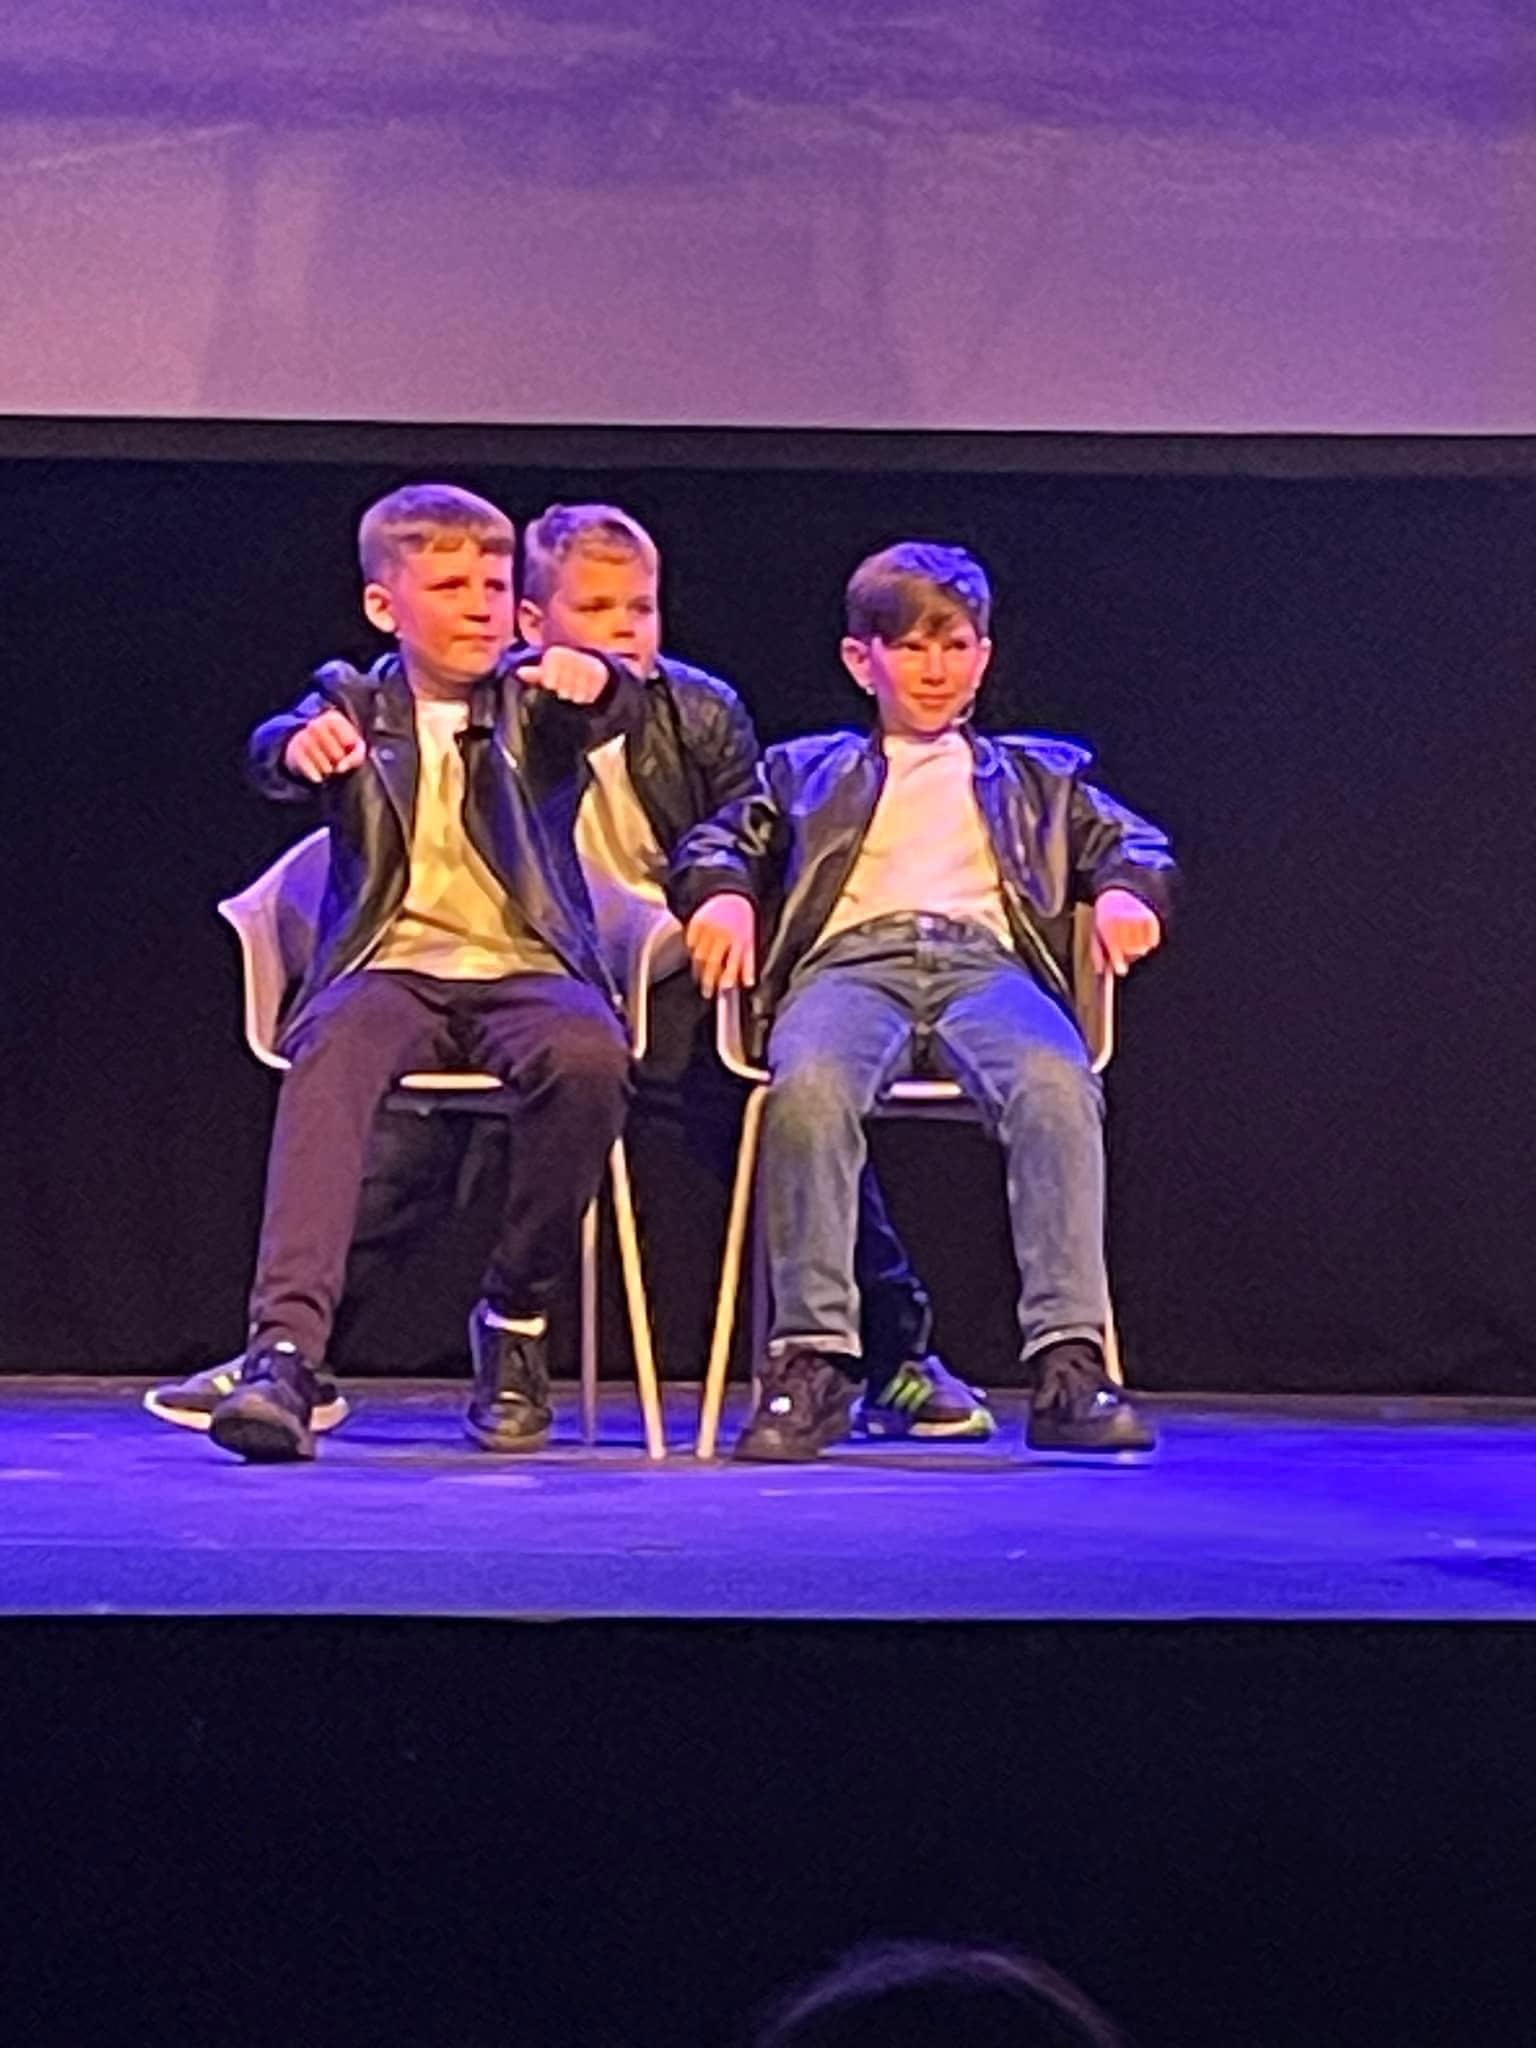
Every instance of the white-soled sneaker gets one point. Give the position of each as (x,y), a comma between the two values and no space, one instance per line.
(190,1403)
(923,1398)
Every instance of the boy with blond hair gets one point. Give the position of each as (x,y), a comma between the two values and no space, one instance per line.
(591,578)
(454,929)
(927,877)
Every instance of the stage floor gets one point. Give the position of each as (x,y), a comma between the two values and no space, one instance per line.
(1248,1510)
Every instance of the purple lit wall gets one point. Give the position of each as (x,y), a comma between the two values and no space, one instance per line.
(1159,214)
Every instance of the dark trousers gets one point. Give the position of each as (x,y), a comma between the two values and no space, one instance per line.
(423,1169)
(554,1041)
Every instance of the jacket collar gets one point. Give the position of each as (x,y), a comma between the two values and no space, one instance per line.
(395,708)
(983,752)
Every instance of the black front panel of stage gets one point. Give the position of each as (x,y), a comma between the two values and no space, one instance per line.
(468,1833)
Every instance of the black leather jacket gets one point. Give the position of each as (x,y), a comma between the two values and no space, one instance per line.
(689,747)
(525,770)
(792,843)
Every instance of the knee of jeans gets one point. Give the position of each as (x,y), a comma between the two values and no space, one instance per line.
(809,1098)
(1048,1083)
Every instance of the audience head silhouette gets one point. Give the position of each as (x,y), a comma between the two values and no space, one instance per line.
(931,1995)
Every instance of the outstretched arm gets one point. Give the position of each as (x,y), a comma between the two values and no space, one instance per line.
(289,756)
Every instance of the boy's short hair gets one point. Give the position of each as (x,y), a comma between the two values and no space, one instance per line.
(561,531)
(916,583)
(424,516)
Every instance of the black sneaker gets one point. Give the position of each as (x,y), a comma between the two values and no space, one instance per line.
(266,1418)
(804,1402)
(190,1403)
(1078,1407)
(509,1409)
(923,1398)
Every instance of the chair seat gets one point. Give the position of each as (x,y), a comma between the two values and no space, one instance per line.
(449,1084)
(936,1101)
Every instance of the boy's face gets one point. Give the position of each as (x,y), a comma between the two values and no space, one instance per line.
(450,607)
(924,681)
(609,603)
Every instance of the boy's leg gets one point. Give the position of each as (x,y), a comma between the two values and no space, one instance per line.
(836,1045)
(359,1036)
(415,1168)
(895,1312)
(909,1390)
(683,1083)
(560,1048)
(1020,1056)
(837,1042)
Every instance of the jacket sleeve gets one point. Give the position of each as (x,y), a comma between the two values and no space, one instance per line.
(1113,848)
(739,851)
(555,723)
(730,763)
(267,744)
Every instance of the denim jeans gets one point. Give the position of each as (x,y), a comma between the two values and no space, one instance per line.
(860,1012)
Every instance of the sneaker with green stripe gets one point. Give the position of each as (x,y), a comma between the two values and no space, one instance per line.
(923,1398)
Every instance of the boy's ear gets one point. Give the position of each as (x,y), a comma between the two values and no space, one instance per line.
(530,621)
(379,607)
(855,655)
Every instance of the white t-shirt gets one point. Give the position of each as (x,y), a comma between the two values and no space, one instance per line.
(456,921)
(927,846)
(622,860)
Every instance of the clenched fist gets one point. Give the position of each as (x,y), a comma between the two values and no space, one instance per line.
(329,745)
(721,937)
(566,672)
(1124,930)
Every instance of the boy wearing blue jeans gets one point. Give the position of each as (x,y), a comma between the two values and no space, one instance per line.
(591,578)
(927,876)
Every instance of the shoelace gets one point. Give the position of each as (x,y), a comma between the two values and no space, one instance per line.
(1065,1382)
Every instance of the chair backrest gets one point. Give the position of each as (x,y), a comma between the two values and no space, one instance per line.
(277,916)
(275,920)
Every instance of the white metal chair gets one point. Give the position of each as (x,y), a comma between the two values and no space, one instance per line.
(929,1101)
(275,920)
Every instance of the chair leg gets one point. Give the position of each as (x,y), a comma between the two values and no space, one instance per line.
(730,1276)
(1112,1361)
(589,1307)
(634,1295)
(762,1297)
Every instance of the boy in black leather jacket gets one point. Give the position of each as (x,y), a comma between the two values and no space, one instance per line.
(591,578)
(925,878)
(454,929)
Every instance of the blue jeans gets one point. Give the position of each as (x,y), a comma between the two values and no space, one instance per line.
(858,1014)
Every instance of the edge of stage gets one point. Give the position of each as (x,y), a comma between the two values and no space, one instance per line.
(1250,1510)
(414,1745)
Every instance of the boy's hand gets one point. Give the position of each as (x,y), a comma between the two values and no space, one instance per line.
(1124,930)
(329,745)
(566,672)
(721,937)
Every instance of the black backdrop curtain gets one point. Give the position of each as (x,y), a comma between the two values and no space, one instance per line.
(1320,1118)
